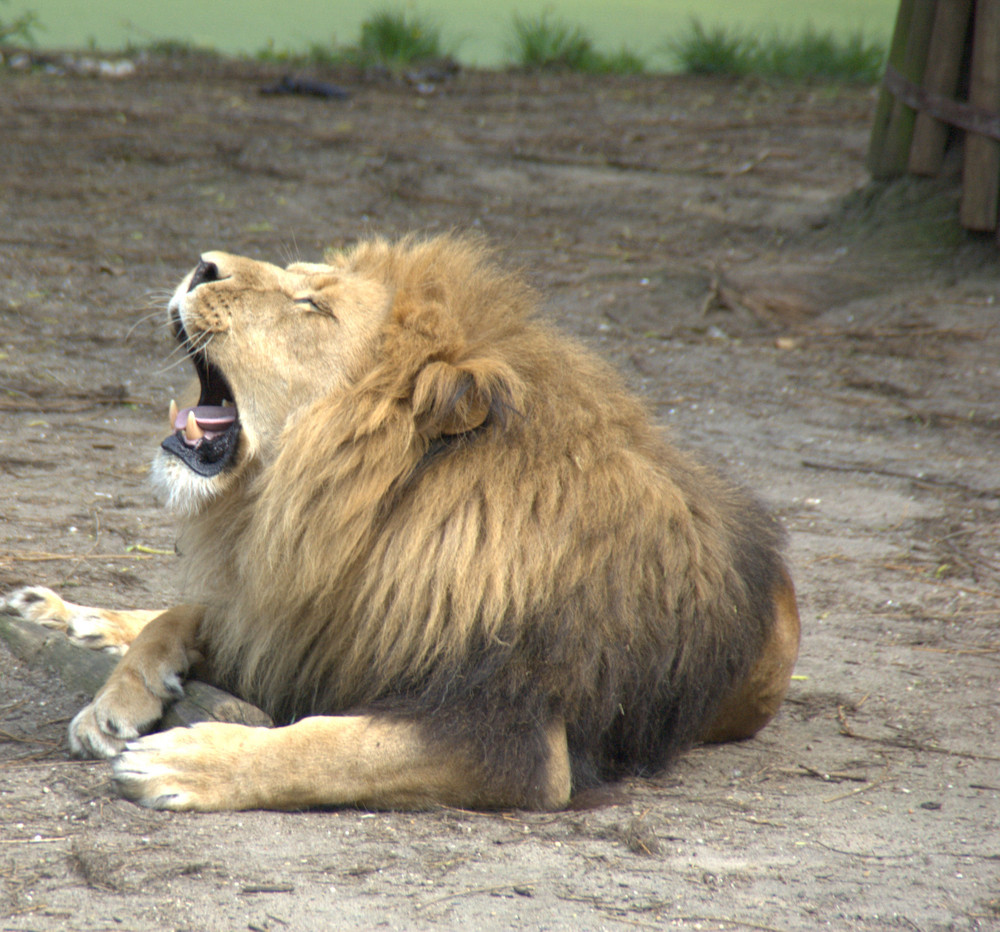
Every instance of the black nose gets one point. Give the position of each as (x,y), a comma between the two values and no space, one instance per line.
(206,272)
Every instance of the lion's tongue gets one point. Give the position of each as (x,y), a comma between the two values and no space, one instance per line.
(209,421)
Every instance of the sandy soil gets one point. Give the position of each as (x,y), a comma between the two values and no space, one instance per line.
(832,343)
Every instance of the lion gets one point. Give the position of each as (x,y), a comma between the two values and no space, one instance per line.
(440,543)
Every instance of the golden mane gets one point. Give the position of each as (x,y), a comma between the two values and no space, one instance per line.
(484,518)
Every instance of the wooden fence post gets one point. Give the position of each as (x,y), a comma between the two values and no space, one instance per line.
(981,173)
(944,62)
(889,150)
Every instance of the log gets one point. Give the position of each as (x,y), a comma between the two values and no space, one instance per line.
(85,670)
(944,62)
(981,171)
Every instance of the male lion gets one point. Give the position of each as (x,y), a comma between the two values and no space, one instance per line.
(439,543)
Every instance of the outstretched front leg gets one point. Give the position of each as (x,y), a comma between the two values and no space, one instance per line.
(96,628)
(151,674)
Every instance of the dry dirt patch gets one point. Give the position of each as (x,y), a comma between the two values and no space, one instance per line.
(831,343)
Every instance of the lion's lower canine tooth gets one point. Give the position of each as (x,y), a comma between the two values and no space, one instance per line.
(173,414)
(191,429)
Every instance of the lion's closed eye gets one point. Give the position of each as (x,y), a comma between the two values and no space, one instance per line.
(315,305)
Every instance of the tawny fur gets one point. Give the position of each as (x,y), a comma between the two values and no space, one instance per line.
(451,548)
(475,527)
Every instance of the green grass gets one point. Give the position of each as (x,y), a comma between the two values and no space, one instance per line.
(548,42)
(808,54)
(172,48)
(389,38)
(393,38)
(21,29)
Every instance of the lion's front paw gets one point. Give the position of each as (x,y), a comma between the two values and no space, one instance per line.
(125,708)
(37,604)
(188,768)
(88,627)
(88,739)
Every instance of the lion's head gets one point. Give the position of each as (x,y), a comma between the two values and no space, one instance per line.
(265,343)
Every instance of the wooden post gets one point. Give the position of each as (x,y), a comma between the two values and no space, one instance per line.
(883,111)
(981,174)
(888,154)
(944,62)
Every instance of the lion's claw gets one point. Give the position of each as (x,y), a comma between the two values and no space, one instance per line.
(87,739)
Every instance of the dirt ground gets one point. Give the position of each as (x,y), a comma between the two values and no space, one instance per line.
(832,343)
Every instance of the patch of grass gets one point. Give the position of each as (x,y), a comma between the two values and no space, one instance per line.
(389,38)
(317,54)
(393,38)
(822,54)
(807,54)
(711,51)
(20,29)
(179,49)
(624,61)
(545,42)
(548,42)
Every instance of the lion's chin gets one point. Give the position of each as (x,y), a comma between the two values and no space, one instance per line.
(181,489)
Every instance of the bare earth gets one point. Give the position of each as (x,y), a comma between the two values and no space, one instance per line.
(831,343)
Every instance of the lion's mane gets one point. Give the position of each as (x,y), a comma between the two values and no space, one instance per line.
(482,532)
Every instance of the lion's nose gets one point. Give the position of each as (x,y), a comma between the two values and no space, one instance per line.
(205,272)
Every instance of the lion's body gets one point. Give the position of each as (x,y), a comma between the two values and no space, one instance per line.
(472,530)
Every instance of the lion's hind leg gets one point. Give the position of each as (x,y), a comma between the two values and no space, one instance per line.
(754,702)
(95,628)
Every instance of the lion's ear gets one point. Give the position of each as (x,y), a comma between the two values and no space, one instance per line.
(454,398)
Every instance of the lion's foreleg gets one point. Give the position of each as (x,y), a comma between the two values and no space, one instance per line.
(365,760)
(148,676)
(96,628)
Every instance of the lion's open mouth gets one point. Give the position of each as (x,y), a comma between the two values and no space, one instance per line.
(206,436)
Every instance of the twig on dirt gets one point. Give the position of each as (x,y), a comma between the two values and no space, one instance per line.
(832,777)
(142,548)
(655,906)
(858,791)
(930,481)
(519,889)
(907,744)
(753,820)
(42,556)
(750,164)
(942,581)
(267,888)
(36,840)
(26,739)
(865,856)
(712,297)
(966,651)
(28,758)
(7,709)
(845,728)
